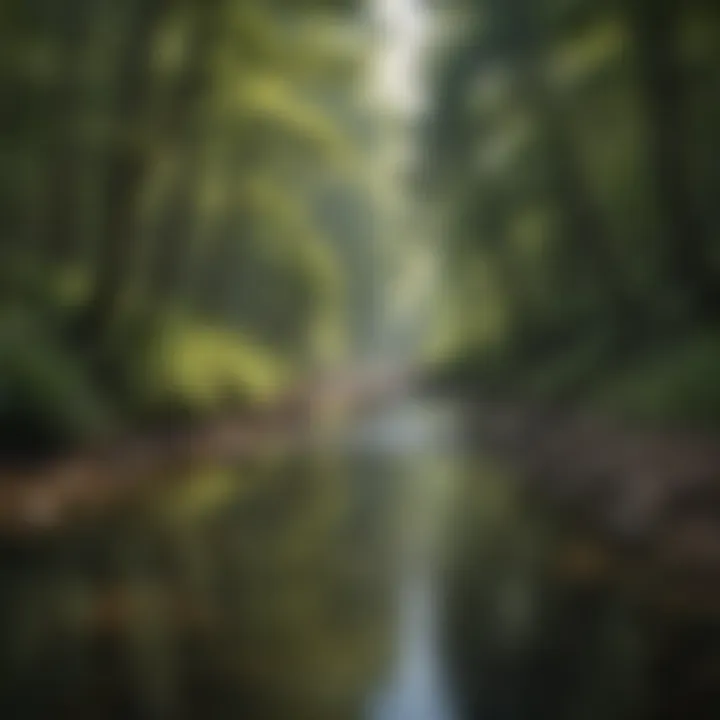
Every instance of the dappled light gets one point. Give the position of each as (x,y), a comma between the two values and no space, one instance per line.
(359,360)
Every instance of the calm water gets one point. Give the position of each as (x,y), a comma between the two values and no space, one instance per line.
(396,577)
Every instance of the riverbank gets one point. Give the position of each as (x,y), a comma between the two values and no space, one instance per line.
(633,528)
(48,495)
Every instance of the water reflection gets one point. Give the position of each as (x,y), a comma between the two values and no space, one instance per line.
(538,626)
(254,592)
(419,686)
(396,580)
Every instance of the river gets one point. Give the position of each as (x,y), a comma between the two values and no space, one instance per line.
(416,438)
(397,575)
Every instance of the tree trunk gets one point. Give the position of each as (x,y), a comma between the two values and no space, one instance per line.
(127,164)
(685,232)
(586,236)
(169,257)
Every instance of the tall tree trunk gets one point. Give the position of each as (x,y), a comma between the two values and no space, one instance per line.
(127,163)
(685,231)
(185,125)
(62,211)
(172,241)
(587,245)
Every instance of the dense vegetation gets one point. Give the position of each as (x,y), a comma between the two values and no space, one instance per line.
(202,203)
(574,144)
(188,210)
(168,176)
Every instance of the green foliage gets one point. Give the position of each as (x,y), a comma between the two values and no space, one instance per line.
(569,143)
(205,366)
(164,251)
(47,398)
(678,384)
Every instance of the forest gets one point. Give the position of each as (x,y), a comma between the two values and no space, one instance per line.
(170,178)
(232,230)
(576,146)
(191,214)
